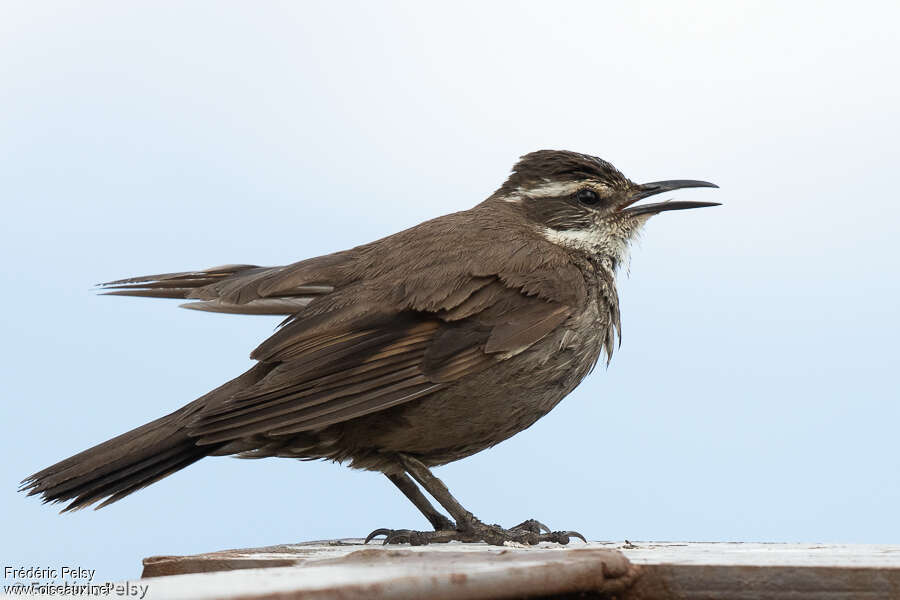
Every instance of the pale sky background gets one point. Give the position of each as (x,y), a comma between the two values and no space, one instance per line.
(755,395)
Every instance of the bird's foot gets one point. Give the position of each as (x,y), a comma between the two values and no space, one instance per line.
(529,532)
(412,537)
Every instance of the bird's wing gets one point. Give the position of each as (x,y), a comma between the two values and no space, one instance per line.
(353,358)
(381,324)
(242,289)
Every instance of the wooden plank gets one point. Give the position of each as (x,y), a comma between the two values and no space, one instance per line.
(443,572)
(734,571)
(346,569)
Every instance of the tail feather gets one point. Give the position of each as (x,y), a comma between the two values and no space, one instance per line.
(177,285)
(128,462)
(138,479)
(232,289)
(99,486)
(133,460)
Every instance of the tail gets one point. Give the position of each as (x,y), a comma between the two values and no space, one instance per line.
(133,460)
(238,289)
(120,466)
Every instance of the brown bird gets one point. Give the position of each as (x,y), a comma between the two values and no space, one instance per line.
(410,352)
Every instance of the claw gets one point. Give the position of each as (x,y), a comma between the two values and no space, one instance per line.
(376,533)
(562,537)
(578,535)
(532,525)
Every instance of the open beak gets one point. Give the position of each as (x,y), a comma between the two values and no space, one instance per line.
(658,187)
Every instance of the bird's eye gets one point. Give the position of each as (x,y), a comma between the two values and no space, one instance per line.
(587,196)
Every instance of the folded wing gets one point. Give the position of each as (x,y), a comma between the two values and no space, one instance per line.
(331,367)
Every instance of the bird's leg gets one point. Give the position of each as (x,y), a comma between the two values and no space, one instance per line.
(415,495)
(439,491)
(468,527)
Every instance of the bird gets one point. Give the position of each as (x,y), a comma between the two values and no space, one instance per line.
(406,353)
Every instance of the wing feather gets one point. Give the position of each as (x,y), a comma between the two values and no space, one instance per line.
(522,327)
(376,326)
(328,370)
(240,289)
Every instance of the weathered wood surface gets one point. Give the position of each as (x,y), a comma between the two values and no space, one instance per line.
(345,569)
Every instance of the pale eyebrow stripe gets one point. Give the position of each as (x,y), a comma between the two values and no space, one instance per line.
(551,189)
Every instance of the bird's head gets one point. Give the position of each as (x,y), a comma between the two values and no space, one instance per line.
(584,203)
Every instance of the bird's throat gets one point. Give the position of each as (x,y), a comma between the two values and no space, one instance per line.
(607,245)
